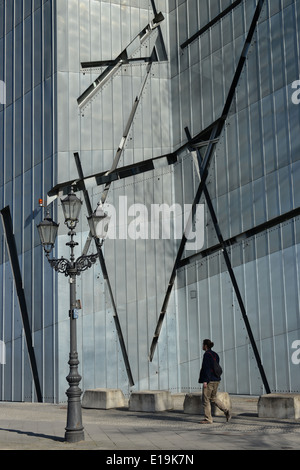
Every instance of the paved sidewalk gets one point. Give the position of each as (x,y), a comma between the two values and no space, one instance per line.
(34,426)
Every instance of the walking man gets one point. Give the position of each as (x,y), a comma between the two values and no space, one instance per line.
(210,382)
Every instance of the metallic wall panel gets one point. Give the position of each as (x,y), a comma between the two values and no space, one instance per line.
(106,28)
(250,182)
(27,52)
(253,177)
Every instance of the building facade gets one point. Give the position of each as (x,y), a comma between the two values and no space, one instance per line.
(169,106)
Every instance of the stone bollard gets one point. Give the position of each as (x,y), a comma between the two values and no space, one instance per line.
(151,401)
(279,405)
(103,398)
(193,403)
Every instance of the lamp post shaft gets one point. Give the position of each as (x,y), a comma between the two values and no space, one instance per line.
(74,429)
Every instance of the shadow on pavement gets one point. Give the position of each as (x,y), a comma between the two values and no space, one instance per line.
(34,434)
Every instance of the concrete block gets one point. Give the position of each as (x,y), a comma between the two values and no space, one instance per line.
(279,405)
(103,398)
(193,403)
(151,401)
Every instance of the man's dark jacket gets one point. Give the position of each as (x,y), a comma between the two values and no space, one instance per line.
(207,369)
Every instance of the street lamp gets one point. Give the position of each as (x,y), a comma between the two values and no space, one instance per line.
(47,229)
(96,220)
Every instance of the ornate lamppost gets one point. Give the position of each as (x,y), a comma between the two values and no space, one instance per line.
(71,268)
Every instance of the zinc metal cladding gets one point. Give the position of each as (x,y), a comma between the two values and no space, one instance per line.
(27,142)
(252,179)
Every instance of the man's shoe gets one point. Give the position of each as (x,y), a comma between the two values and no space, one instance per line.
(205,422)
(228,415)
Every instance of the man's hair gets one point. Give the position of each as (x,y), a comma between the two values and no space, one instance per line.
(208,343)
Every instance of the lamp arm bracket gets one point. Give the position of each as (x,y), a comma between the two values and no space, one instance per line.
(66,267)
(84,262)
(61,265)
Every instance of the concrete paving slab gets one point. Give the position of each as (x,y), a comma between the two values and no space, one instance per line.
(35,426)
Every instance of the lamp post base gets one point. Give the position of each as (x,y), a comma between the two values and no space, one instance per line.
(74,428)
(74,436)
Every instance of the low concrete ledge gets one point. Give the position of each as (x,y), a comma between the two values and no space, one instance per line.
(103,398)
(193,403)
(151,401)
(279,405)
